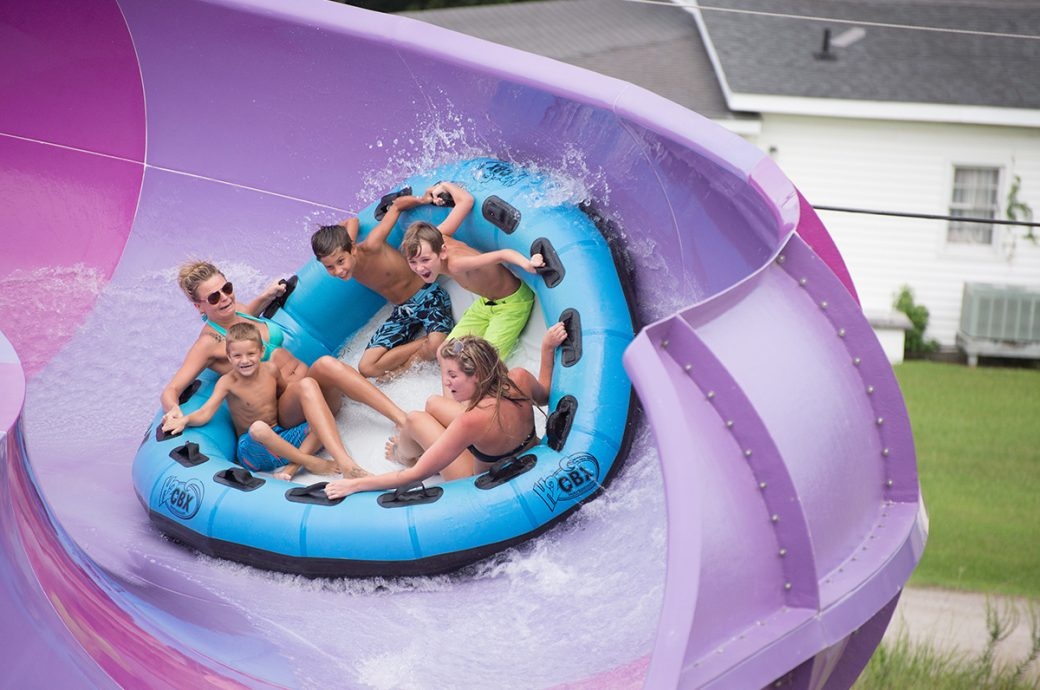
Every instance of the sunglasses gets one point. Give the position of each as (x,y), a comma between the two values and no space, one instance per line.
(214,297)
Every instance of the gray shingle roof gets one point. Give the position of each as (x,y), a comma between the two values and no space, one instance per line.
(660,48)
(769,55)
(656,47)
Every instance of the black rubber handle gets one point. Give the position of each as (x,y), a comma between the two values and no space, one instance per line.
(570,349)
(191,390)
(412,494)
(506,469)
(553,271)
(189,454)
(558,425)
(313,494)
(279,301)
(501,214)
(387,199)
(238,478)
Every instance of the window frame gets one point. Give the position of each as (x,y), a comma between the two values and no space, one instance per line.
(972,208)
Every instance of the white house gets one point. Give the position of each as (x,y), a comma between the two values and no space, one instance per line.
(884,118)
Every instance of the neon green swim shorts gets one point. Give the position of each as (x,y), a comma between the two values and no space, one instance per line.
(499,321)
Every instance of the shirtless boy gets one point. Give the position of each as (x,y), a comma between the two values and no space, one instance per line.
(503,303)
(252,388)
(421,318)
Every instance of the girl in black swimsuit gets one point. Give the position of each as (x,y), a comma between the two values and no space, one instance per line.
(493,417)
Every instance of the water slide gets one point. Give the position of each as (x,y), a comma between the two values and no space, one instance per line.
(769,512)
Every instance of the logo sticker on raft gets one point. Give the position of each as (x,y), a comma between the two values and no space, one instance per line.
(577,476)
(503,173)
(182,498)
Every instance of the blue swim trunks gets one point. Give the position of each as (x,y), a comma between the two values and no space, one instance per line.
(253,456)
(427,311)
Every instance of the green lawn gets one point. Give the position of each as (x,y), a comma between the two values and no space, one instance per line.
(977,433)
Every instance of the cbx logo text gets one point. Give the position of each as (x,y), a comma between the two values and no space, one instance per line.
(182,498)
(504,173)
(577,476)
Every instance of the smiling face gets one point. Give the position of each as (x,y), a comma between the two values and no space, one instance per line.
(427,264)
(461,385)
(224,307)
(244,356)
(339,264)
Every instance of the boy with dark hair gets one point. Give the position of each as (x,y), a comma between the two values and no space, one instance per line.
(421,318)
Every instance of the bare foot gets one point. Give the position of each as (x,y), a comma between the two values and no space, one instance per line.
(330,467)
(356,473)
(284,476)
(391,453)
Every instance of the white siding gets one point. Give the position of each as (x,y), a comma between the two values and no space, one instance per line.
(908,166)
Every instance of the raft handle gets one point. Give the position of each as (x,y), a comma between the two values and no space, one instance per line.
(188,454)
(570,349)
(161,435)
(558,425)
(552,272)
(387,199)
(501,214)
(191,390)
(505,469)
(238,478)
(279,301)
(412,494)
(313,494)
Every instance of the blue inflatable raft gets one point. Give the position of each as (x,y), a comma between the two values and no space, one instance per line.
(195,492)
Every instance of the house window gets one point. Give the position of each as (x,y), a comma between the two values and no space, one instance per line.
(974,196)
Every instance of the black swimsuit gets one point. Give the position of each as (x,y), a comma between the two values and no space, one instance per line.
(484,457)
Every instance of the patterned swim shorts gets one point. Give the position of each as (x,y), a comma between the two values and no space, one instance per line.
(427,311)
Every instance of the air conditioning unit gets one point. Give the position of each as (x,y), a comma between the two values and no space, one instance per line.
(999,321)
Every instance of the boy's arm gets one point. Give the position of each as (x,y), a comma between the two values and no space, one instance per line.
(380,232)
(353,226)
(499,256)
(205,413)
(463,205)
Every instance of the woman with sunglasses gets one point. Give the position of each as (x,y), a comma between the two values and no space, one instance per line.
(490,416)
(214,296)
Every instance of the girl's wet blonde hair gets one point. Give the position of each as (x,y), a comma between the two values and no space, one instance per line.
(192,274)
(477,357)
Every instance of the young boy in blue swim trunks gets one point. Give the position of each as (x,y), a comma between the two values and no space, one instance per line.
(503,303)
(421,318)
(251,389)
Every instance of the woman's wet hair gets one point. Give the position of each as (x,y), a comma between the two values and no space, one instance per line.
(193,273)
(329,238)
(477,357)
(239,332)
(418,232)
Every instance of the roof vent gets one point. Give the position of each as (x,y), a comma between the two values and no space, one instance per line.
(842,40)
(825,52)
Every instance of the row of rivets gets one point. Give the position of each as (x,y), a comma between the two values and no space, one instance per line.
(856,361)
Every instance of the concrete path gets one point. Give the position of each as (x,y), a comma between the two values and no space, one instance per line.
(951,620)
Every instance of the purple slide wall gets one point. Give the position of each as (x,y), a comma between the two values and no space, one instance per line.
(773,486)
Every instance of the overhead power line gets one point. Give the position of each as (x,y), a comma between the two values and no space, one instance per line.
(930,216)
(835,20)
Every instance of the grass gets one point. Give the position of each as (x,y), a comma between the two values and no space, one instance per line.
(902,664)
(977,433)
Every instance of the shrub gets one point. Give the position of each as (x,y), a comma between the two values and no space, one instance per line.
(915,344)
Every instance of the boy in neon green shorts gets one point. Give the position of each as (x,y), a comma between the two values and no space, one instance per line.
(503,303)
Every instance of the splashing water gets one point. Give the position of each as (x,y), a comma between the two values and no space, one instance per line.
(501,618)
